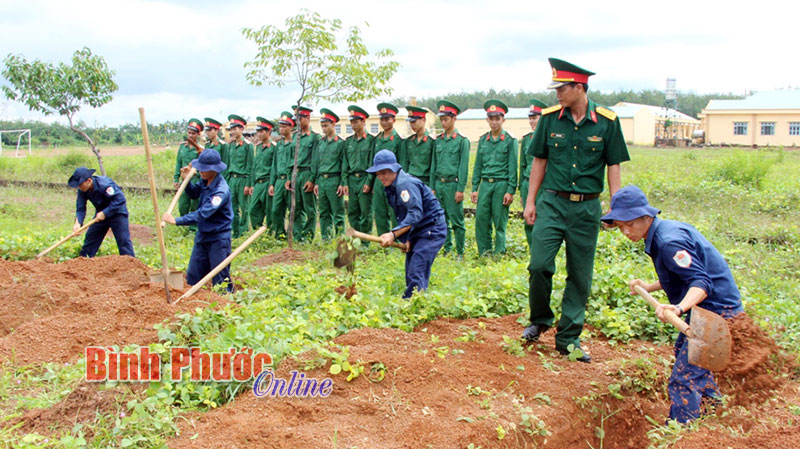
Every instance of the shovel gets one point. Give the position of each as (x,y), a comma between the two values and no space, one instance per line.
(709,337)
(372,238)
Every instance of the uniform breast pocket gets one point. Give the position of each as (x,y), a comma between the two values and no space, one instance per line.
(591,154)
(557,149)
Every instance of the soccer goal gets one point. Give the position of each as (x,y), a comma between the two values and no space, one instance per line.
(20,133)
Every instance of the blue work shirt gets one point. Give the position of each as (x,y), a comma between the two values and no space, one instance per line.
(414,205)
(683,258)
(214,214)
(106,197)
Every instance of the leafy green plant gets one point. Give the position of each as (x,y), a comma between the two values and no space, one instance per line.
(512,346)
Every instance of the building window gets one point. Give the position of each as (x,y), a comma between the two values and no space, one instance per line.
(338,129)
(739,128)
(794,128)
(373,128)
(767,128)
(349,129)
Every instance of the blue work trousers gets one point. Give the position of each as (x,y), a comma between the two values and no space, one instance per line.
(97,232)
(205,257)
(419,260)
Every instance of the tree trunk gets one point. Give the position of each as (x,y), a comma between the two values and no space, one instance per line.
(294,183)
(91,144)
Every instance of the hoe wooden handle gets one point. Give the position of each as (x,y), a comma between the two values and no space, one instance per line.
(671,317)
(185,182)
(73,234)
(372,238)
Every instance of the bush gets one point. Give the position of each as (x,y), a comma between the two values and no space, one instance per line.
(73,160)
(743,169)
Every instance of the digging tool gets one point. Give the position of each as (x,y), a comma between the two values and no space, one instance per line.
(178,194)
(159,231)
(73,234)
(223,264)
(372,238)
(346,255)
(709,337)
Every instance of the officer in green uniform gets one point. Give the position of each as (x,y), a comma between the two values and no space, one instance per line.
(240,165)
(305,215)
(417,150)
(388,139)
(494,180)
(280,178)
(213,140)
(525,159)
(328,179)
(572,145)
(261,200)
(449,170)
(359,150)
(186,154)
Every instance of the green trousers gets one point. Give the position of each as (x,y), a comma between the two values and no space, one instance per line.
(385,220)
(576,223)
(305,211)
(359,205)
(261,206)
(491,213)
(331,207)
(280,203)
(241,203)
(453,214)
(524,192)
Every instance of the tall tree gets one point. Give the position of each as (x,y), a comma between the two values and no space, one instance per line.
(324,62)
(61,89)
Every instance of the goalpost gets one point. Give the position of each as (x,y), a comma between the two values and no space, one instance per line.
(21,133)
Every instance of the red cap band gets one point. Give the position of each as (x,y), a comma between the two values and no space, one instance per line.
(444,108)
(564,76)
(388,111)
(358,114)
(495,108)
(212,125)
(329,117)
(194,127)
(536,109)
(419,114)
(238,122)
(265,125)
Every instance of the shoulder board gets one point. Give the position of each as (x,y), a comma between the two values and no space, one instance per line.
(551,109)
(607,113)
(529,134)
(510,135)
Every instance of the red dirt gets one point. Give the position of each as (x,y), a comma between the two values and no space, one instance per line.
(348,292)
(285,255)
(51,312)
(143,235)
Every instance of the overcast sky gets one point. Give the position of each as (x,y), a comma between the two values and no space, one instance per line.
(182,59)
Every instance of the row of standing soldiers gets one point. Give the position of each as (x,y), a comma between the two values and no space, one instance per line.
(329,168)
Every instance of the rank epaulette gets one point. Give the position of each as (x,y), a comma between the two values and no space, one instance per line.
(607,113)
(551,109)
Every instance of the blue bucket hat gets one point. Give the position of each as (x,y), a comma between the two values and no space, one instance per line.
(629,203)
(384,159)
(81,174)
(209,160)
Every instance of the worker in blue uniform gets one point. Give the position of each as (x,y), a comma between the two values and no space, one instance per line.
(693,274)
(213,217)
(420,219)
(110,207)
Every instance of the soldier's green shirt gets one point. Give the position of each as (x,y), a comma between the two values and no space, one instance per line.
(451,158)
(186,154)
(262,163)
(358,154)
(308,142)
(328,157)
(496,158)
(578,153)
(416,155)
(240,160)
(392,142)
(525,159)
(282,160)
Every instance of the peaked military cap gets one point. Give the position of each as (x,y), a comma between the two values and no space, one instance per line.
(303,111)
(264,124)
(236,120)
(211,123)
(447,108)
(565,73)
(495,107)
(536,107)
(387,110)
(357,112)
(287,118)
(195,125)
(328,116)
(415,113)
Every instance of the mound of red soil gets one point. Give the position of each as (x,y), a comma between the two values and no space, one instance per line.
(285,255)
(51,312)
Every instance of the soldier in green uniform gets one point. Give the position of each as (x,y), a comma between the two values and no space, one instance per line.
(240,165)
(417,150)
(186,154)
(574,143)
(212,137)
(494,180)
(358,154)
(449,168)
(280,178)
(387,139)
(261,200)
(525,159)
(328,179)
(305,212)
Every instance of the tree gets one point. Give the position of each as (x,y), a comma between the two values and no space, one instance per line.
(61,89)
(325,63)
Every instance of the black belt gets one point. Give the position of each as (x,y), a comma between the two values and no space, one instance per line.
(359,174)
(575,197)
(237,175)
(424,179)
(330,175)
(261,181)
(442,179)
(303,168)
(494,180)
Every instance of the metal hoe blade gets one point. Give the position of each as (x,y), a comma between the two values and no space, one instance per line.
(710,345)
(346,254)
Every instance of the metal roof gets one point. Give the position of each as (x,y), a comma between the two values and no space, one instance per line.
(774,99)
(625,109)
(480,114)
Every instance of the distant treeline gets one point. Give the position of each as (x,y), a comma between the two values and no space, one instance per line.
(688,103)
(55,134)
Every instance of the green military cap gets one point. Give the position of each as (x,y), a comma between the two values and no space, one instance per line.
(236,120)
(565,73)
(536,107)
(495,107)
(195,125)
(287,118)
(264,124)
(387,110)
(304,111)
(211,123)
(328,116)
(357,112)
(447,108)
(415,113)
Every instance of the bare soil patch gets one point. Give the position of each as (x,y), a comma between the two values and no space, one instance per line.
(285,255)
